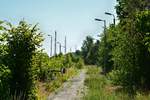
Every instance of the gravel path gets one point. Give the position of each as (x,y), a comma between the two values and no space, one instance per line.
(71,90)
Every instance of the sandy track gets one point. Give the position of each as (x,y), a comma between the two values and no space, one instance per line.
(71,90)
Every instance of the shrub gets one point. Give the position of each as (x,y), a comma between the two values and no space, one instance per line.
(80,63)
(22,41)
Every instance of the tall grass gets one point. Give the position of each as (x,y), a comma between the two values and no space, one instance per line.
(100,88)
(8,96)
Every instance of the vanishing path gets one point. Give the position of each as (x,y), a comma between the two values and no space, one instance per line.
(71,90)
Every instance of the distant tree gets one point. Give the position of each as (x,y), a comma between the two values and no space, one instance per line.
(95,52)
(78,52)
(86,48)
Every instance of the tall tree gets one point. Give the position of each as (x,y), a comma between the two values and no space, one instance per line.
(130,54)
(22,41)
(87,50)
(4,70)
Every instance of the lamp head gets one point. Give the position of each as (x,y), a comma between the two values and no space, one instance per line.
(98,19)
(107,13)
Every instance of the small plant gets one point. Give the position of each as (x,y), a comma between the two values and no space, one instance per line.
(80,63)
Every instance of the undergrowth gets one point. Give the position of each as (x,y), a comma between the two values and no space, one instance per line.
(100,88)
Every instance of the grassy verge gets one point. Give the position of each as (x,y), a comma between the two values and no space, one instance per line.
(45,88)
(100,88)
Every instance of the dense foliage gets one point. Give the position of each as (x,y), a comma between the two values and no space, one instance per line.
(126,54)
(90,51)
(128,46)
(20,42)
(23,62)
(130,54)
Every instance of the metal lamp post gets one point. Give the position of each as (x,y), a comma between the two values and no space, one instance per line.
(105,43)
(114,19)
(55,49)
(51,44)
(65,44)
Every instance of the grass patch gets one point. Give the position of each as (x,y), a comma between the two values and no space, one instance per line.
(100,88)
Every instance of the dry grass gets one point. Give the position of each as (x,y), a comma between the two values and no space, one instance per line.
(46,88)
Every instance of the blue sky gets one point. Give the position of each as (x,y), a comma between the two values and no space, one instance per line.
(73,18)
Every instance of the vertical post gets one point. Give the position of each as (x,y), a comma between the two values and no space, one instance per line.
(60,48)
(55,43)
(114,20)
(65,44)
(105,43)
(51,45)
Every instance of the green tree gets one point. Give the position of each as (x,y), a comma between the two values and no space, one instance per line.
(126,8)
(22,42)
(86,48)
(111,34)
(130,55)
(40,65)
(5,73)
(95,52)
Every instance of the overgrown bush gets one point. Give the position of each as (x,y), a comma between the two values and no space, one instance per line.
(22,42)
(22,63)
(80,63)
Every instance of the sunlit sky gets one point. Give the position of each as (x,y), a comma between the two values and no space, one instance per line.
(73,18)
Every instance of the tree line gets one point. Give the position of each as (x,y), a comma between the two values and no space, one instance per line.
(127,48)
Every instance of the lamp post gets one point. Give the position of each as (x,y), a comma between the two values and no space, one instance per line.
(105,43)
(59,46)
(65,44)
(55,43)
(114,19)
(51,44)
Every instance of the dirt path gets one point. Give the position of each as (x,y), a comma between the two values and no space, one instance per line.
(71,90)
